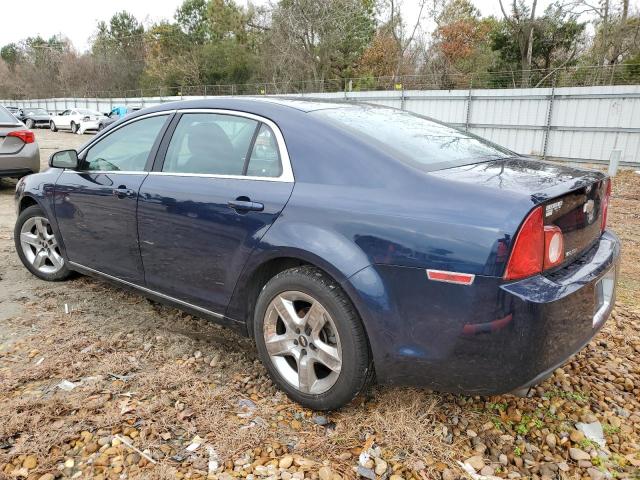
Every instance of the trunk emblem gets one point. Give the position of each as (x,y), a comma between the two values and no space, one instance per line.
(589,210)
(552,208)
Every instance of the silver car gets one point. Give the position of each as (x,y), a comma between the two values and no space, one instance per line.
(19,152)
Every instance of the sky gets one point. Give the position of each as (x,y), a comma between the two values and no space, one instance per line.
(77,20)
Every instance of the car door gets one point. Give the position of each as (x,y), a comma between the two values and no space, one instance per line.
(96,204)
(200,214)
(63,120)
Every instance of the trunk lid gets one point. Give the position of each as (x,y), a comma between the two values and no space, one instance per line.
(10,145)
(571,198)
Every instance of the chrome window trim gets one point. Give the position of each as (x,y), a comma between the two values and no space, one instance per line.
(147,290)
(93,142)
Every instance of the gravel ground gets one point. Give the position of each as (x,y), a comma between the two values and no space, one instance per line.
(120,387)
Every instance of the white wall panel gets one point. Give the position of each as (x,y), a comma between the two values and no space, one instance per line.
(586,123)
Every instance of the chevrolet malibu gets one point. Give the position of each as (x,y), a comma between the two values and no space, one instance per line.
(352,242)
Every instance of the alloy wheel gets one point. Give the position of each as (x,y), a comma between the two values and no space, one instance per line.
(40,246)
(303,342)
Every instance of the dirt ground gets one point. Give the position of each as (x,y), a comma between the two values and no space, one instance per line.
(120,387)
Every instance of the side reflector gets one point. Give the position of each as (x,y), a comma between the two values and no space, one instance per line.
(450,277)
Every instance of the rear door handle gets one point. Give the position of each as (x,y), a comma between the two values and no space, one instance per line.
(242,204)
(123,192)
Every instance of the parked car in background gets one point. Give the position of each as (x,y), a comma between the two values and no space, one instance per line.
(78,120)
(12,110)
(114,115)
(19,152)
(345,239)
(34,117)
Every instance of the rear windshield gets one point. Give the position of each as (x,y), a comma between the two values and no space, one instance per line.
(6,118)
(413,139)
(84,111)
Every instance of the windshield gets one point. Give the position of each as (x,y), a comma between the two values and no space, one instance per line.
(6,118)
(37,111)
(413,139)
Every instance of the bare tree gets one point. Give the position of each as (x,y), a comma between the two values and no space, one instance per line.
(403,34)
(522,23)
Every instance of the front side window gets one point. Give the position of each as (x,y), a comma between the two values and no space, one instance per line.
(210,143)
(127,148)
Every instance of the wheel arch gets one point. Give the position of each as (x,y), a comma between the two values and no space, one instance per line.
(27,201)
(256,275)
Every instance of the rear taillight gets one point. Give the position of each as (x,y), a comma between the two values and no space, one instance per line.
(537,247)
(605,206)
(26,136)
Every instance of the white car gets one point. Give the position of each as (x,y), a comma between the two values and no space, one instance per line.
(78,120)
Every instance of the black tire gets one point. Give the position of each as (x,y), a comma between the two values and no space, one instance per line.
(26,214)
(52,126)
(29,124)
(74,127)
(357,368)
(100,127)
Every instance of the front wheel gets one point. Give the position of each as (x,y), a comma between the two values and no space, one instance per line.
(311,339)
(38,247)
(29,124)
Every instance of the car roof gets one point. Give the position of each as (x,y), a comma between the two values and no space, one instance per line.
(240,103)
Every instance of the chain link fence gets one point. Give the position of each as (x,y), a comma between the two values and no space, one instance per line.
(578,76)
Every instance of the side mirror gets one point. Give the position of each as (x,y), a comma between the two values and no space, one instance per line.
(64,159)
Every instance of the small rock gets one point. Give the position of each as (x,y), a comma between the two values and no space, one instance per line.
(47,476)
(397,477)
(447,474)
(503,459)
(595,474)
(477,462)
(487,470)
(69,463)
(381,467)
(550,439)
(366,472)
(471,434)
(576,436)
(296,425)
(578,454)
(285,462)
(30,462)
(325,473)
(319,420)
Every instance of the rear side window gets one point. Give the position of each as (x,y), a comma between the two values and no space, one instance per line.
(265,157)
(411,138)
(6,118)
(220,144)
(127,148)
(209,143)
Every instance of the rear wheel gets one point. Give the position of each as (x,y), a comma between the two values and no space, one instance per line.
(311,339)
(74,127)
(53,127)
(38,247)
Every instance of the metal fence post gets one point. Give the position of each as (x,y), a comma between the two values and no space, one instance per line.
(402,97)
(468,112)
(547,130)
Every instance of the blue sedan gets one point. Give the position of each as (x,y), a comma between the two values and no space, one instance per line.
(352,242)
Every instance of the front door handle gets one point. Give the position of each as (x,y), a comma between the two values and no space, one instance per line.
(244,204)
(122,192)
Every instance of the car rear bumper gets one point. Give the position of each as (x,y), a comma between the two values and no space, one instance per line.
(90,125)
(26,161)
(490,337)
